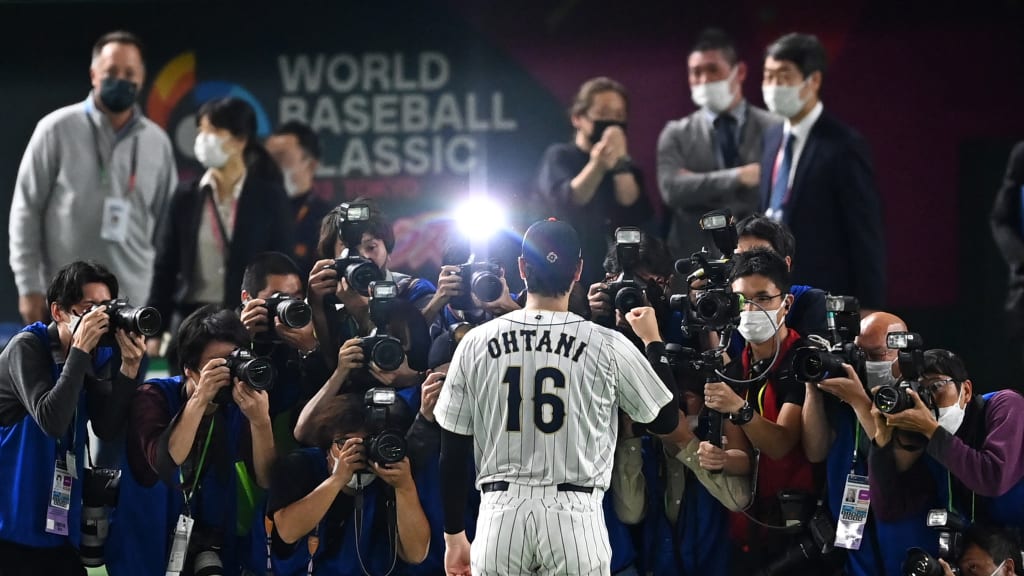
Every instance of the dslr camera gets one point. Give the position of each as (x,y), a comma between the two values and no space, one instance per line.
(817,363)
(626,291)
(386,443)
(951,536)
(293,312)
(480,279)
(100,487)
(142,320)
(256,372)
(816,540)
(893,399)
(716,306)
(383,350)
(358,272)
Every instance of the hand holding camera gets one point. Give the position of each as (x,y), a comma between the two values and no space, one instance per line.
(429,393)
(400,377)
(918,418)
(133,347)
(398,475)
(214,376)
(93,326)
(254,316)
(711,457)
(449,284)
(346,458)
(720,397)
(350,356)
(323,280)
(253,403)
(849,389)
(600,301)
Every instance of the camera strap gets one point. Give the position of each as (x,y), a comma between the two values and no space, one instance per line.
(392,526)
(199,470)
(949,494)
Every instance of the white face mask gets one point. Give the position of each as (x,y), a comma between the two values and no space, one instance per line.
(784,100)
(289,183)
(209,150)
(74,321)
(758,326)
(361,480)
(951,417)
(879,373)
(716,96)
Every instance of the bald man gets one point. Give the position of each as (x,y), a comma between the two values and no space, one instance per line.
(839,424)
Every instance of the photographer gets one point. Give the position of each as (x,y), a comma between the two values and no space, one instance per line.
(973,448)
(273,279)
(988,551)
(462,306)
(767,407)
(374,239)
(337,511)
(837,430)
(192,440)
(55,379)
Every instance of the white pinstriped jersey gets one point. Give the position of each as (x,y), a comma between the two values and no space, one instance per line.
(539,393)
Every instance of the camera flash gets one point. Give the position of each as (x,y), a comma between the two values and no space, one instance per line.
(627,236)
(714,222)
(357,213)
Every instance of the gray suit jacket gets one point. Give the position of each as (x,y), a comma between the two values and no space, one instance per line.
(688,144)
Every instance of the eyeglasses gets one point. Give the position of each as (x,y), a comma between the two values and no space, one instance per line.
(936,385)
(761,301)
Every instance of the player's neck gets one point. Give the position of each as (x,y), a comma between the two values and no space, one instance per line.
(549,303)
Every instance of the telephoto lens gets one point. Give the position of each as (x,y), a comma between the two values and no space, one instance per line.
(208,563)
(814,365)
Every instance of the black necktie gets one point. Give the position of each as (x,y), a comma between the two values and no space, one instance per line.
(725,130)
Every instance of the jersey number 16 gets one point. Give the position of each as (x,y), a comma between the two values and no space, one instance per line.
(514,379)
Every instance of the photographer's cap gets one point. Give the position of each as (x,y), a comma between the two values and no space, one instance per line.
(552,246)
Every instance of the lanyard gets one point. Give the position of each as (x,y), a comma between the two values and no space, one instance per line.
(99,156)
(220,233)
(199,469)
(949,493)
(856,446)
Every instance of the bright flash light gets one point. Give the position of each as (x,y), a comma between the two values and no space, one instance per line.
(479,218)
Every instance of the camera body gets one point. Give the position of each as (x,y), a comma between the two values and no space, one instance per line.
(385,444)
(814,364)
(817,540)
(951,545)
(255,371)
(358,272)
(892,399)
(626,291)
(100,487)
(142,320)
(293,312)
(480,279)
(383,350)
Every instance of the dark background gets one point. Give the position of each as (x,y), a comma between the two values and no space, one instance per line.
(935,87)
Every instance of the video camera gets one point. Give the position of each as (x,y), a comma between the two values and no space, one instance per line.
(293,312)
(951,536)
(817,363)
(892,399)
(385,444)
(142,320)
(383,350)
(716,307)
(480,279)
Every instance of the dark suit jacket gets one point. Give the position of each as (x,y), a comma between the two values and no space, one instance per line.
(833,211)
(1006,231)
(262,223)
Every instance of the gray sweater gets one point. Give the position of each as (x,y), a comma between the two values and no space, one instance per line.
(57,211)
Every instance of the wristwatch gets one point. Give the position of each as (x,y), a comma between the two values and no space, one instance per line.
(743,416)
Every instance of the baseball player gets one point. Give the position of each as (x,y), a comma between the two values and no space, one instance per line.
(538,390)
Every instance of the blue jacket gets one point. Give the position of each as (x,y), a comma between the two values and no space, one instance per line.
(143,523)
(27,459)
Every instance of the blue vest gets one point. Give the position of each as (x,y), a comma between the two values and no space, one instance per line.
(699,542)
(373,546)
(27,459)
(893,538)
(142,525)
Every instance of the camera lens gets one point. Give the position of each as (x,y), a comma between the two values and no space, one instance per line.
(920,563)
(388,354)
(359,276)
(387,447)
(486,286)
(628,298)
(257,373)
(208,563)
(814,365)
(94,535)
(889,399)
(147,321)
(294,313)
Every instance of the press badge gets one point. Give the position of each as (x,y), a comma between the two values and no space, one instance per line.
(60,500)
(179,548)
(853,513)
(116,212)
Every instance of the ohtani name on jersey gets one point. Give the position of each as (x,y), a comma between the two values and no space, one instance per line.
(535,341)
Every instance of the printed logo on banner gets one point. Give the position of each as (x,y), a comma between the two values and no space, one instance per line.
(175,83)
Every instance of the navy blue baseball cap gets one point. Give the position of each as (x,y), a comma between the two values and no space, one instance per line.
(552,247)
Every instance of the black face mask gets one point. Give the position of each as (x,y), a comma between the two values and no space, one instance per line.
(117,94)
(600,126)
